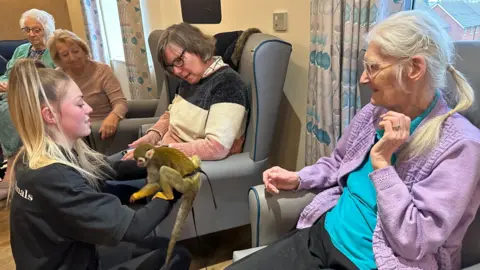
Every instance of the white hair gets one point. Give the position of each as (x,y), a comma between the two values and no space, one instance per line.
(44,18)
(415,32)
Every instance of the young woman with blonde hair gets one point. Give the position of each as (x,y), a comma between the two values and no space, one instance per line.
(37,26)
(58,219)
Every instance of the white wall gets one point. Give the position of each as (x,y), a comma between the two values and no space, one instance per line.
(76,18)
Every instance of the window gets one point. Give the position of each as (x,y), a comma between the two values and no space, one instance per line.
(113,43)
(112,31)
(457,16)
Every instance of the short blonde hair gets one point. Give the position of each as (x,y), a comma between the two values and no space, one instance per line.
(65,36)
(44,18)
(188,37)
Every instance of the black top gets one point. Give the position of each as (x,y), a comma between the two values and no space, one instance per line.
(223,86)
(57,219)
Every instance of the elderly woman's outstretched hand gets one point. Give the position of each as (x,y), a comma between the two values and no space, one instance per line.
(277,178)
(397,131)
(150,137)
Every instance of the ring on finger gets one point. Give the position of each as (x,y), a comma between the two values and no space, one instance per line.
(396,128)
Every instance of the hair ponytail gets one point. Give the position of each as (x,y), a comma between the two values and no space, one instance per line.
(465,92)
(428,135)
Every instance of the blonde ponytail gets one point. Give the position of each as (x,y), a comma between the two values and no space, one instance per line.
(465,92)
(30,87)
(428,135)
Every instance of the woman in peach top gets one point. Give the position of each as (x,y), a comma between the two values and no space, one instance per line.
(100,88)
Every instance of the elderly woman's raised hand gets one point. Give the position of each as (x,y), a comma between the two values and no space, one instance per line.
(397,131)
(277,178)
(150,137)
(3,86)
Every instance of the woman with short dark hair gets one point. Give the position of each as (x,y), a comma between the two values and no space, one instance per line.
(208,115)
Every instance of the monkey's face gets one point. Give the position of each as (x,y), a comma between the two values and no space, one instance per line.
(139,154)
(141,162)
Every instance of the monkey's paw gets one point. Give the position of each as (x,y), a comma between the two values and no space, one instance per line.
(160,195)
(133,198)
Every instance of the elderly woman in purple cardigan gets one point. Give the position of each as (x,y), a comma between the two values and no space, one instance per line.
(401,187)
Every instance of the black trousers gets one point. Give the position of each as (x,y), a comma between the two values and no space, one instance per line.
(303,249)
(149,255)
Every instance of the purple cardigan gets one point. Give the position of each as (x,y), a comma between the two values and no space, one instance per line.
(425,204)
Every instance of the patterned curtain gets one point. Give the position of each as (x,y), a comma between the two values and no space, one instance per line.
(337,28)
(93,29)
(135,50)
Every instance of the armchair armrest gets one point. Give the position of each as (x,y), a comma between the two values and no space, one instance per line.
(142,108)
(272,216)
(144,128)
(127,132)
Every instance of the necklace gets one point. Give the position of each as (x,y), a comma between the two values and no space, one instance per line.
(34,54)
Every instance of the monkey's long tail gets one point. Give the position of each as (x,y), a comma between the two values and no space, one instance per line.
(211,188)
(185,207)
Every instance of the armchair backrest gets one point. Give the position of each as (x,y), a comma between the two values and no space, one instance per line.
(160,76)
(7,47)
(468,63)
(263,66)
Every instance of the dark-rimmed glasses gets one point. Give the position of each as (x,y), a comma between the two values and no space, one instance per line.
(178,62)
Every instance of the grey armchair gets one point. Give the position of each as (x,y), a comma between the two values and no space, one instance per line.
(272,216)
(263,66)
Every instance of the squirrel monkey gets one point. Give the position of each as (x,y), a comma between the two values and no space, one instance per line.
(166,167)
(169,168)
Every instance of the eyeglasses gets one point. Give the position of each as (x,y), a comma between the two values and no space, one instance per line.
(373,69)
(178,62)
(35,30)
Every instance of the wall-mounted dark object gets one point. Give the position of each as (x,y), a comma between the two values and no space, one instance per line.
(201,11)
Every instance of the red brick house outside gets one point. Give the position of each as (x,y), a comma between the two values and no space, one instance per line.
(462,18)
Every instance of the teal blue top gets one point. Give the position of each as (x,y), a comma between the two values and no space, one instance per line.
(351,222)
(22,52)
